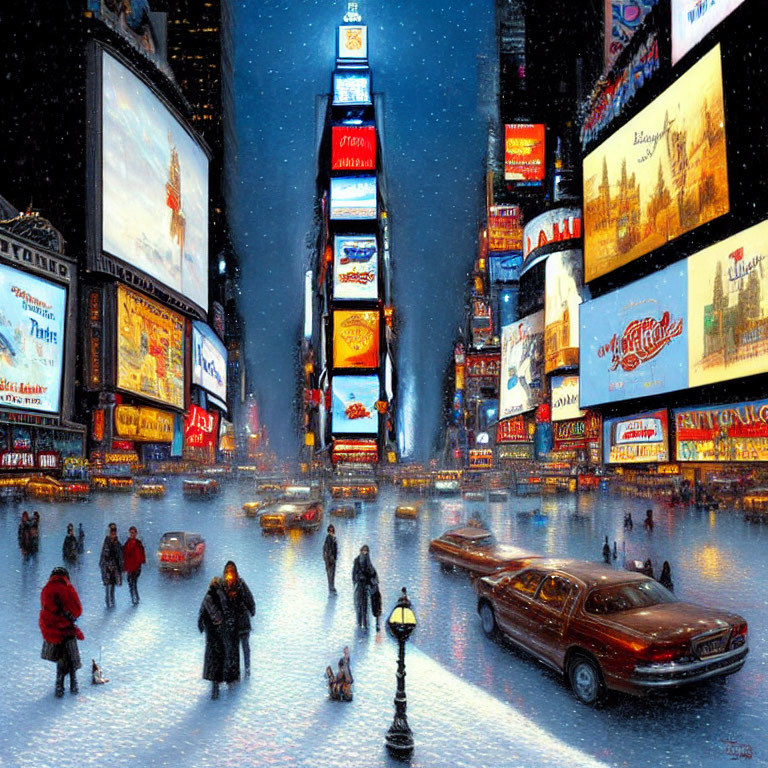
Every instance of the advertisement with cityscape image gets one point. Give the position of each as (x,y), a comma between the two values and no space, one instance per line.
(353,408)
(150,349)
(728,308)
(522,365)
(660,175)
(634,341)
(154,186)
(563,294)
(355,267)
(209,361)
(32,314)
(353,197)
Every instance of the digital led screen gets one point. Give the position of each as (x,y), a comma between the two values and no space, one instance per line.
(731,432)
(350,88)
(552,226)
(32,315)
(353,197)
(353,41)
(565,398)
(505,228)
(154,186)
(660,175)
(522,365)
(622,19)
(150,349)
(355,338)
(505,267)
(692,20)
(728,308)
(353,148)
(209,361)
(639,439)
(353,409)
(562,295)
(524,152)
(633,341)
(355,267)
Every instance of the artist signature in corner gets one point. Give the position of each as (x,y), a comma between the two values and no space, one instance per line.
(737,751)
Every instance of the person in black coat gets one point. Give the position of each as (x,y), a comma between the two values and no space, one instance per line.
(606,551)
(210,620)
(376,599)
(330,555)
(363,574)
(111,564)
(69,549)
(665,579)
(242,607)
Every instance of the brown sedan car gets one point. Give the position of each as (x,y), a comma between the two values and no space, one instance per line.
(604,628)
(475,549)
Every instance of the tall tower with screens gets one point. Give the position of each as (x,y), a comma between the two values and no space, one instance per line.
(354,347)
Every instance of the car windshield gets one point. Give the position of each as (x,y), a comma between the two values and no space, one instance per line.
(172,541)
(625,597)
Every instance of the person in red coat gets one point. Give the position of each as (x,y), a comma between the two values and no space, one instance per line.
(133,558)
(59,609)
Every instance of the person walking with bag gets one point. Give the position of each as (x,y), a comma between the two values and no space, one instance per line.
(111,564)
(60,608)
(330,555)
(363,574)
(134,557)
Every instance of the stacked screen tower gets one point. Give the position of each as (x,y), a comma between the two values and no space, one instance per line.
(350,377)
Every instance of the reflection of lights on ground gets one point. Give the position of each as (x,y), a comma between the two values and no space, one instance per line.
(711,561)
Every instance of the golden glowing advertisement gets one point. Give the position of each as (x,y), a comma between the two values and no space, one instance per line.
(728,308)
(147,424)
(660,175)
(150,349)
(355,339)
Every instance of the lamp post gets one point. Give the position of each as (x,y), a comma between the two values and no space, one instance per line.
(400,624)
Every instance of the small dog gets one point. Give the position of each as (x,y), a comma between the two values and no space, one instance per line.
(97,678)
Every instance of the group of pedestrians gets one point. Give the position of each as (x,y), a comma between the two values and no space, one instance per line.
(116,558)
(225,617)
(29,533)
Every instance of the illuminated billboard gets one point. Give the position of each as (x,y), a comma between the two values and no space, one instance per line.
(353,409)
(150,349)
(505,267)
(692,20)
(154,186)
(524,152)
(353,148)
(565,398)
(355,267)
(355,338)
(353,41)
(209,361)
(732,432)
(728,308)
(32,314)
(634,340)
(505,228)
(637,439)
(552,226)
(622,19)
(660,175)
(351,88)
(353,197)
(562,295)
(522,365)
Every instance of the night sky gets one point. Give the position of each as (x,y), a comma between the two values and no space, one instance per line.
(427,61)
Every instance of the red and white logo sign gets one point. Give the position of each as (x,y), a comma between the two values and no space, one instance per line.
(641,341)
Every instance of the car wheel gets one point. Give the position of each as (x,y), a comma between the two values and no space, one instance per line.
(586,681)
(488,619)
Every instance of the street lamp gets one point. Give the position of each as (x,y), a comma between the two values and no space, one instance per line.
(400,624)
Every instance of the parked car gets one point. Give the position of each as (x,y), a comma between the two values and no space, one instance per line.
(180,551)
(408,511)
(476,550)
(282,515)
(345,510)
(200,488)
(608,629)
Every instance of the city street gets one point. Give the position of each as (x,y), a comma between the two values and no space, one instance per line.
(471,701)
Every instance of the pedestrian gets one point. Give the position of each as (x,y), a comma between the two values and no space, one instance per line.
(330,555)
(24,533)
(665,579)
(628,521)
(648,568)
(362,574)
(134,557)
(648,523)
(376,599)
(111,564)
(615,550)
(210,620)
(340,685)
(607,551)
(80,538)
(69,548)
(59,610)
(34,533)
(243,607)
